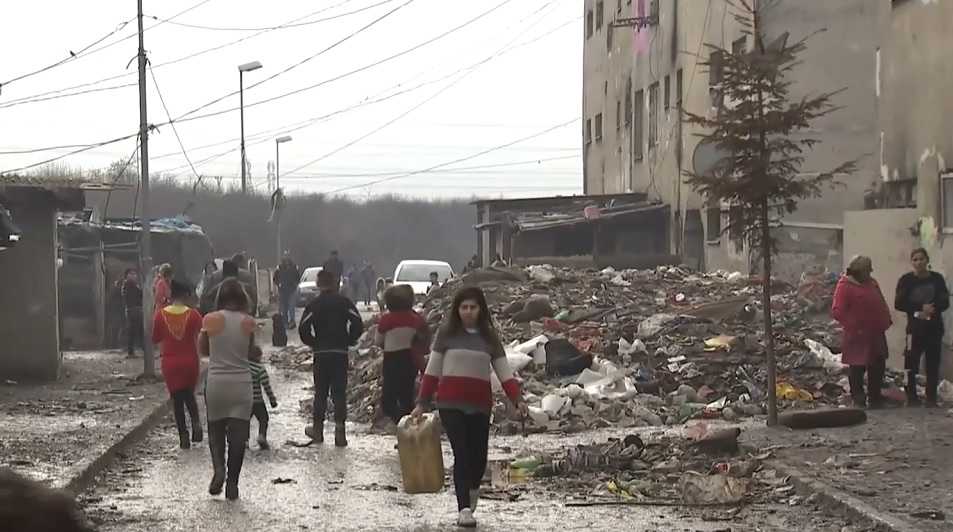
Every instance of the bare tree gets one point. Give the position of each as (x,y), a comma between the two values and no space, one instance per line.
(761,130)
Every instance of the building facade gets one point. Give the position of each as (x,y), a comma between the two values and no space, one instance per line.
(658,66)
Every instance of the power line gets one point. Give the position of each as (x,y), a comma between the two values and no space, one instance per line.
(43,95)
(427,100)
(341,76)
(462,168)
(72,55)
(86,51)
(185,153)
(81,150)
(455,161)
(279,26)
(303,61)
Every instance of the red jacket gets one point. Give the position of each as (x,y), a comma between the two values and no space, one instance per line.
(861,309)
(177,329)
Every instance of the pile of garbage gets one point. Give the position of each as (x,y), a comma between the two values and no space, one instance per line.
(700,468)
(637,348)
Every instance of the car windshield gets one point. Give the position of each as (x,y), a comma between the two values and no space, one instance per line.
(310,275)
(416,273)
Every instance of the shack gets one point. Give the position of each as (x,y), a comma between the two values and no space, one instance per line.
(96,254)
(620,230)
(29,319)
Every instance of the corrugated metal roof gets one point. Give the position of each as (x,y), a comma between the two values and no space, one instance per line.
(83,183)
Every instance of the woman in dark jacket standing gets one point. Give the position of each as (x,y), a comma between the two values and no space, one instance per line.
(922,294)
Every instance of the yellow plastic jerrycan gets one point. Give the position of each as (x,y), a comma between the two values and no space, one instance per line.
(421,460)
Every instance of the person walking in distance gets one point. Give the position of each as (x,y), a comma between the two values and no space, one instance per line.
(227,337)
(176,329)
(859,306)
(286,279)
(368,281)
(260,382)
(162,287)
(132,304)
(467,348)
(330,325)
(334,265)
(398,331)
(922,294)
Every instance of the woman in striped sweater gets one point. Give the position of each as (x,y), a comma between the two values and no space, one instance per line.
(467,348)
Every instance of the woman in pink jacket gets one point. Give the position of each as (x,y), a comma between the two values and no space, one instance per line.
(859,306)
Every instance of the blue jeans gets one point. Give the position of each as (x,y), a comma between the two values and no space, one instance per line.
(286,306)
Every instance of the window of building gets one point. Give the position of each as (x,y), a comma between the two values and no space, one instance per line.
(736,230)
(638,112)
(587,134)
(600,14)
(739,46)
(947,196)
(713,233)
(618,115)
(618,10)
(654,9)
(598,126)
(678,88)
(628,101)
(653,115)
(666,97)
(715,74)
(589,24)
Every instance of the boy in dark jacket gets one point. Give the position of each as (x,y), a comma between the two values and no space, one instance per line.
(330,325)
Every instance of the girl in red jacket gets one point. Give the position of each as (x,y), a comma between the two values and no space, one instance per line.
(176,328)
(859,306)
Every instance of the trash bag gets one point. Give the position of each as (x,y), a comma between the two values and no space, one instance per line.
(653,325)
(563,359)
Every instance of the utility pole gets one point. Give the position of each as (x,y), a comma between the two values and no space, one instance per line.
(145,244)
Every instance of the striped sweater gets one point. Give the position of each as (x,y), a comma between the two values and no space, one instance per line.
(259,377)
(459,373)
(402,331)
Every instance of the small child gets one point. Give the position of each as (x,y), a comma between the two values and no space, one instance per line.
(260,380)
(400,333)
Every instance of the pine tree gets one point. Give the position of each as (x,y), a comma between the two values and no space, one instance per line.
(762,130)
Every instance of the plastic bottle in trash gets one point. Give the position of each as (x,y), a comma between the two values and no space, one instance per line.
(421,460)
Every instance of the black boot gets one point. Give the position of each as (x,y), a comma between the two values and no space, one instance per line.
(196,434)
(315,431)
(216,445)
(184,441)
(340,435)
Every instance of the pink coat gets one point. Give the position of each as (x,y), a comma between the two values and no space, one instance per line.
(861,309)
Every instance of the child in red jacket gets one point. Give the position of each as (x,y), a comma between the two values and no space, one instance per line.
(404,336)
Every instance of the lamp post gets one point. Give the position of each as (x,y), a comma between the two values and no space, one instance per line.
(247,67)
(279,196)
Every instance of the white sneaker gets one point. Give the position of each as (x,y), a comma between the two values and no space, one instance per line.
(465,519)
(474,499)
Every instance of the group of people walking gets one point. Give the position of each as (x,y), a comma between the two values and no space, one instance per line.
(860,307)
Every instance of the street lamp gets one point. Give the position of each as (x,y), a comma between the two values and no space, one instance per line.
(247,67)
(279,196)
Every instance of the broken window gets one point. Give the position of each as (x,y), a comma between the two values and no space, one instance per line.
(666,97)
(628,101)
(587,134)
(713,233)
(600,14)
(947,195)
(589,24)
(653,115)
(638,111)
(736,230)
(715,71)
(598,126)
(678,88)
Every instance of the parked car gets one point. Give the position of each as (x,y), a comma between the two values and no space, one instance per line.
(308,285)
(416,273)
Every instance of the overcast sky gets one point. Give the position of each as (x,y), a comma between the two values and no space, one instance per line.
(513,73)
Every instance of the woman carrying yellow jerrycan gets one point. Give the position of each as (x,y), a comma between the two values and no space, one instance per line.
(466,348)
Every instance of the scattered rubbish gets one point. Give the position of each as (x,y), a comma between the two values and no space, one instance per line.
(712,489)
(563,358)
(828,360)
(933,515)
(790,393)
(280,480)
(945,391)
(722,342)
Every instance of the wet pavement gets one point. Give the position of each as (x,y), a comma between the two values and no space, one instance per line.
(159,487)
(49,430)
(898,462)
